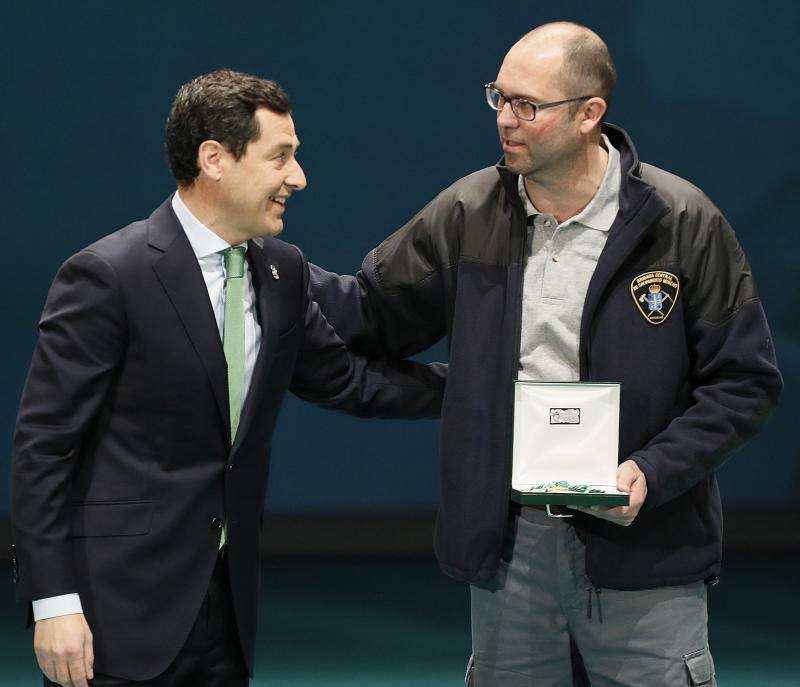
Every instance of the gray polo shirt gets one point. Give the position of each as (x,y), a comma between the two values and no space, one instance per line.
(560,261)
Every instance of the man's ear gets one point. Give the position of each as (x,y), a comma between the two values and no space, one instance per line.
(210,157)
(591,114)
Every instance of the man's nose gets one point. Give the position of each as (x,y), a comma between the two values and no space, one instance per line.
(506,117)
(297,177)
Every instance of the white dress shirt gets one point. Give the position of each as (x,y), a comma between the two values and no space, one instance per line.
(207,247)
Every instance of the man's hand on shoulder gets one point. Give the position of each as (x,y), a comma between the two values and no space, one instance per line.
(631,480)
(64,649)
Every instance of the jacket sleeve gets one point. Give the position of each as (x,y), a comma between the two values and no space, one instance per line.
(395,306)
(81,340)
(329,374)
(734,377)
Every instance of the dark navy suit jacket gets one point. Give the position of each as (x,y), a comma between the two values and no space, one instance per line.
(123,469)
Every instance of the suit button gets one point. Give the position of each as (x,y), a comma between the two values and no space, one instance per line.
(230,467)
(216,523)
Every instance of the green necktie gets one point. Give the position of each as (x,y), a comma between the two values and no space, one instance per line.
(233,336)
(233,341)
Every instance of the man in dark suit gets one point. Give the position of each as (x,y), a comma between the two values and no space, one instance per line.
(142,445)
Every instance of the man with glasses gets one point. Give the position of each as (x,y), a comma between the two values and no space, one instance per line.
(572,260)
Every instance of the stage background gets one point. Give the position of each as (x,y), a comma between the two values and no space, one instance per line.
(389,107)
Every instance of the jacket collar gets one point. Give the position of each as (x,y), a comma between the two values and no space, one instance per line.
(640,207)
(268,302)
(176,267)
(633,191)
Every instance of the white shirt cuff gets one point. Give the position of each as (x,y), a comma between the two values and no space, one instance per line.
(54,606)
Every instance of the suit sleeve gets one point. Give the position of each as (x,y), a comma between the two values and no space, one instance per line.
(80,344)
(329,374)
(735,378)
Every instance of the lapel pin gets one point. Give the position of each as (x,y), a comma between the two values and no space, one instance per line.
(274,271)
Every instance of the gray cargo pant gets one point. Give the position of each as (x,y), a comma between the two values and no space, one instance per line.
(541,605)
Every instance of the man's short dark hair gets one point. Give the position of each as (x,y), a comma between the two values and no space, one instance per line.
(588,68)
(218,106)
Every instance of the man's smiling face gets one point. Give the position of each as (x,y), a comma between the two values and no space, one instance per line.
(255,188)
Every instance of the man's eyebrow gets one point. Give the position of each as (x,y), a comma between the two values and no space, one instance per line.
(285,143)
(531,98)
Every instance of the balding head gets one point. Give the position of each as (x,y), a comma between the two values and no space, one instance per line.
(586,66)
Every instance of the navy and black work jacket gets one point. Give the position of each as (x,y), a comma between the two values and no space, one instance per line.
(695,385)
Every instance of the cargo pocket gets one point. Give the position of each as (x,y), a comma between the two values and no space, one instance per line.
(700,667)
(468,676)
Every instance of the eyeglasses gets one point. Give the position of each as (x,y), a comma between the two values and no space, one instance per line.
(521,107)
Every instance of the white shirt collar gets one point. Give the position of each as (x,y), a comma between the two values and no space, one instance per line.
(204,242)
(603,207)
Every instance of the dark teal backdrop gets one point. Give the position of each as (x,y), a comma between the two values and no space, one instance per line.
(389,108)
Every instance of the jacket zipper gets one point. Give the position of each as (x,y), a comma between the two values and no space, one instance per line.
(587,347)
(517,343)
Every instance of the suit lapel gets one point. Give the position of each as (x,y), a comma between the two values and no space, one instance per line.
(266,289)
(177,269)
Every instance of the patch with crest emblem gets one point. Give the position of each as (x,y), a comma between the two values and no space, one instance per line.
(655,294)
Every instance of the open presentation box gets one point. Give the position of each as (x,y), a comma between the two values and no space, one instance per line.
(566,444)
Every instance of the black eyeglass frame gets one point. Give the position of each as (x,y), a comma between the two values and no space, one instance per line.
(513,100)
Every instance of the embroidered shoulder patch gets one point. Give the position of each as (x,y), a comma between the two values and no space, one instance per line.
(655,294)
